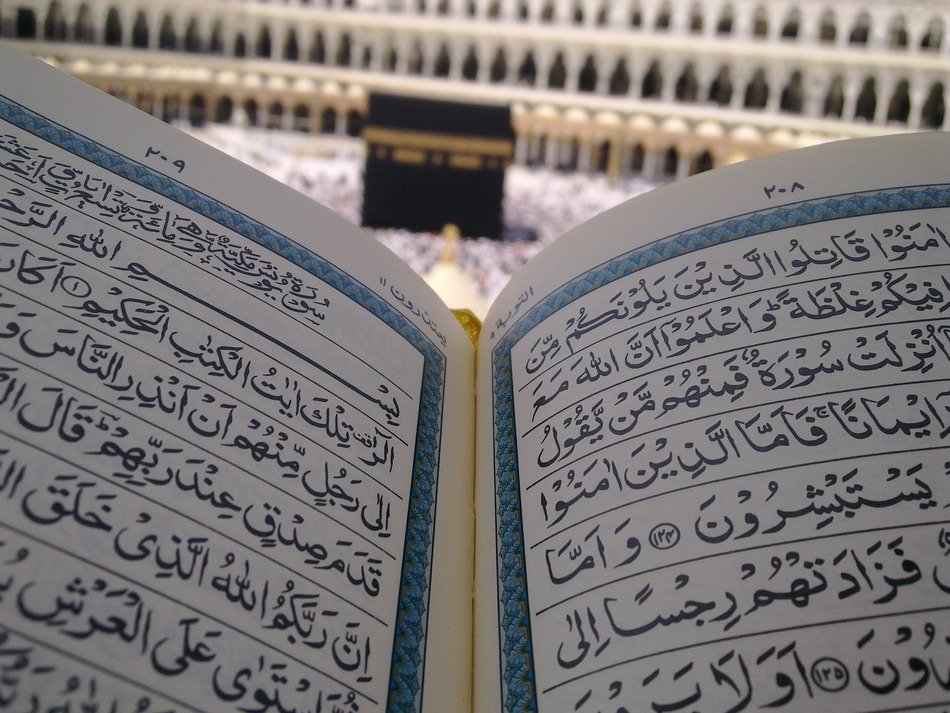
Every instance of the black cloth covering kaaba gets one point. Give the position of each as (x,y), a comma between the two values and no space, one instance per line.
(429,163)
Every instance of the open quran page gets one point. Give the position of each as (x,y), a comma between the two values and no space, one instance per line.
(713,455)
(235,433)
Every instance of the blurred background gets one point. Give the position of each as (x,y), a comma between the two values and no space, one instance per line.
(541,113)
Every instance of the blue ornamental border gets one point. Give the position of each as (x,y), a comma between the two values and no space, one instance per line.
(411,616)
(518,692)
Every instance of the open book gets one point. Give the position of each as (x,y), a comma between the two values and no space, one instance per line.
(698,460)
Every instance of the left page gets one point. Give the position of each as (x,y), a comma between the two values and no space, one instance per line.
(235,433)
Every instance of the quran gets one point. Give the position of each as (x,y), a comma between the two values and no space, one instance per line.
(698,460)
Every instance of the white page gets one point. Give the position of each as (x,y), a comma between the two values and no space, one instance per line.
(721,457)
(226,416)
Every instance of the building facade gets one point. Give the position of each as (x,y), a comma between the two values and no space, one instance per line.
(654,88)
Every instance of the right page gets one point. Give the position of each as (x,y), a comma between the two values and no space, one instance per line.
(712,459)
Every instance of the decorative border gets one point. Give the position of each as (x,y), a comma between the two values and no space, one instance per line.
(517,663)
(411,620)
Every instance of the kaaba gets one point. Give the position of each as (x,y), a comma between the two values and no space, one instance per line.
(430,163)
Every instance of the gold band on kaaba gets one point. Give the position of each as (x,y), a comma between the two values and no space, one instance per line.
(451,143)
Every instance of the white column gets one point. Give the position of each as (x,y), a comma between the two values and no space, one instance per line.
(815,82)
(637,69)
(379,50)
(572,63)
(430,51)
(537,143)
(341,115)
(682,165)
(668,90)
(457,54)
(775,86)
(604,69)
(158,103)
(534,10)
(852,87)
(583,155)
(614,158)
(626,156)
(844,21)
(356,52)
(918,95)
(552,151)
(543,61)
(917,23)
(98,14)
(808,30)
(649,162)
(880,28)
(742,20)
(884,88)
(330,42)
(705,73)
(483,55)
(404,49)
(679,22)
(521,149)
(128,22)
